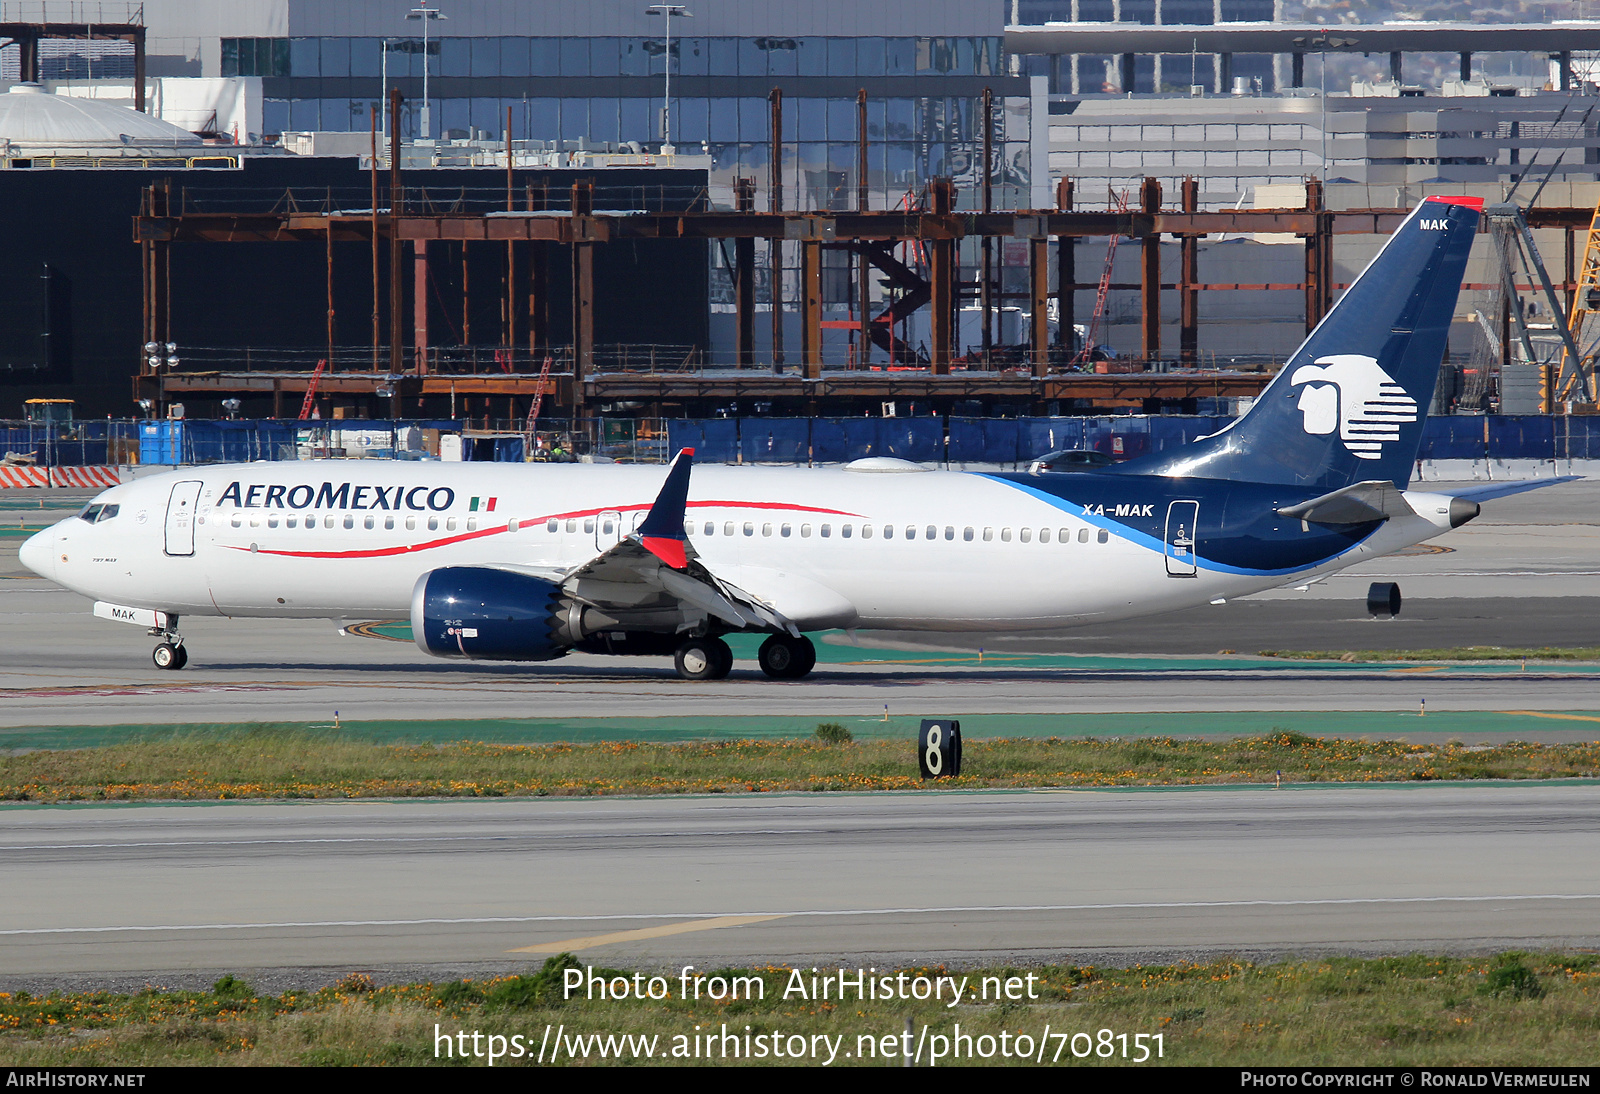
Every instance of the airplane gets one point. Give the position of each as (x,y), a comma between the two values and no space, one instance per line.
(529,562)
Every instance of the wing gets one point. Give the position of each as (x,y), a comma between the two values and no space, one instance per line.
(655,572)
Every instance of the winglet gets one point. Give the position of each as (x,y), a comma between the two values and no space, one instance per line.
(661,531)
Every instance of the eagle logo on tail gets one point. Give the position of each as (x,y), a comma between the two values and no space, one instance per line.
(1350,393)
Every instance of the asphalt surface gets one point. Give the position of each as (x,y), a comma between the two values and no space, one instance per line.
(295,893)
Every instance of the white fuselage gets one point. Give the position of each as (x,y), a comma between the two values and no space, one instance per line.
(931,550)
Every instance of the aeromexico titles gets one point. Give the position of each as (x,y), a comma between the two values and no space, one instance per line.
(528,562)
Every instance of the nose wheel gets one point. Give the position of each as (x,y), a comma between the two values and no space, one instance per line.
(169,652)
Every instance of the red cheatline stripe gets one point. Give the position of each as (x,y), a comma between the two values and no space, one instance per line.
(406,549)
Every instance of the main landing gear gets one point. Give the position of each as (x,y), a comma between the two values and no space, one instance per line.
(786,658)
(703,659)
(169,652)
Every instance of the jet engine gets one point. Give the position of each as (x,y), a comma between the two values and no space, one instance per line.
(484,613)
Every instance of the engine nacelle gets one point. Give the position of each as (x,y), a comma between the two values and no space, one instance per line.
(498,615)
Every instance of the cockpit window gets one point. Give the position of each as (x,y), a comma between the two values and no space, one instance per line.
(91,513)
(107,513)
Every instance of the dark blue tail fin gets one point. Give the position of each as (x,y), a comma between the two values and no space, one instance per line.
(1350,404)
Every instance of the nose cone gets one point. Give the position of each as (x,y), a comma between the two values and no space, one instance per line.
(38,553)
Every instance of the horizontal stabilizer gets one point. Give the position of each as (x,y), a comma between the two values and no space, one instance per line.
(1361,503)
(1493,490)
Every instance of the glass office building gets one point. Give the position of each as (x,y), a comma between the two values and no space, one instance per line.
(924,115)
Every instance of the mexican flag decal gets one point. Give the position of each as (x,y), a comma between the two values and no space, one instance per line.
(485,505)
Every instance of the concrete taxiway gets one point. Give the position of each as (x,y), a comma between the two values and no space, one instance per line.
(418,888)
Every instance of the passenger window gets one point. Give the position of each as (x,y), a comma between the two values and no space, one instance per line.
(450,524)
(588,526)
(370,523)
(472,524)
(1083,535)
(349,520)
(911,531)
(1005,535)
(967,535)
(411,524)
(1065,535)
(727,528)
(805,531)
(785,530)
(710,529)
(255,520)
(433,524)
(866,531)
(888,531)
(552,526)
(931,533)
(988,535)
(1105,536)
(1025,535)
(825,531)
(766,529)
(272,520)
(1044,535)
(949,532)
(749,528)
(292,522)
(327,521)
(845,530)
(388,524)
(572,526)
(237,521)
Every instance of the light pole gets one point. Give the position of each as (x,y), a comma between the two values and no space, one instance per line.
(669,10)
(428,16)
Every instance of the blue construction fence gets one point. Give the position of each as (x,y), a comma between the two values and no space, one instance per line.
(1017,440)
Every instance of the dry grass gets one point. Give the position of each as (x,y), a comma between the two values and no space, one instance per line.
(1513,1009)
(265,762)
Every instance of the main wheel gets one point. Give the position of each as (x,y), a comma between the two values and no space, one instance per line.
(168,656)
(703,659)
(786,658)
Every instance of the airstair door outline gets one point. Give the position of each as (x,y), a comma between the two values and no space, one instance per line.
(1182,518)
(180,518)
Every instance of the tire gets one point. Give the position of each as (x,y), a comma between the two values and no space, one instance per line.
(166,656)
(701,658)
(724,659)
(786,658)
(183,657)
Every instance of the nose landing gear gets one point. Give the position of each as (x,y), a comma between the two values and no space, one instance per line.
(169,652)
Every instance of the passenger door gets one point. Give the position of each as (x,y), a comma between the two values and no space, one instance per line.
(180,518)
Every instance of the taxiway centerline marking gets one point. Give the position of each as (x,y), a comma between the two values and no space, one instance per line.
(642,933)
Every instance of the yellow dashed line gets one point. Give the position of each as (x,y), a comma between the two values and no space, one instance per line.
(644,933)
(1543,714)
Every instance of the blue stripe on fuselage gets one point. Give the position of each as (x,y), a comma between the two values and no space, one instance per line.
(1239,530)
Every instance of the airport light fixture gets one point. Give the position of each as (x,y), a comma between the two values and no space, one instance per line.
(668,10)
(428,16)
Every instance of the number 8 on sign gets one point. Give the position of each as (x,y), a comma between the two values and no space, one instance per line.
(939,748)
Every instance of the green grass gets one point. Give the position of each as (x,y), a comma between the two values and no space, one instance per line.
(1508,1009)
(1459,653)
(276,762)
